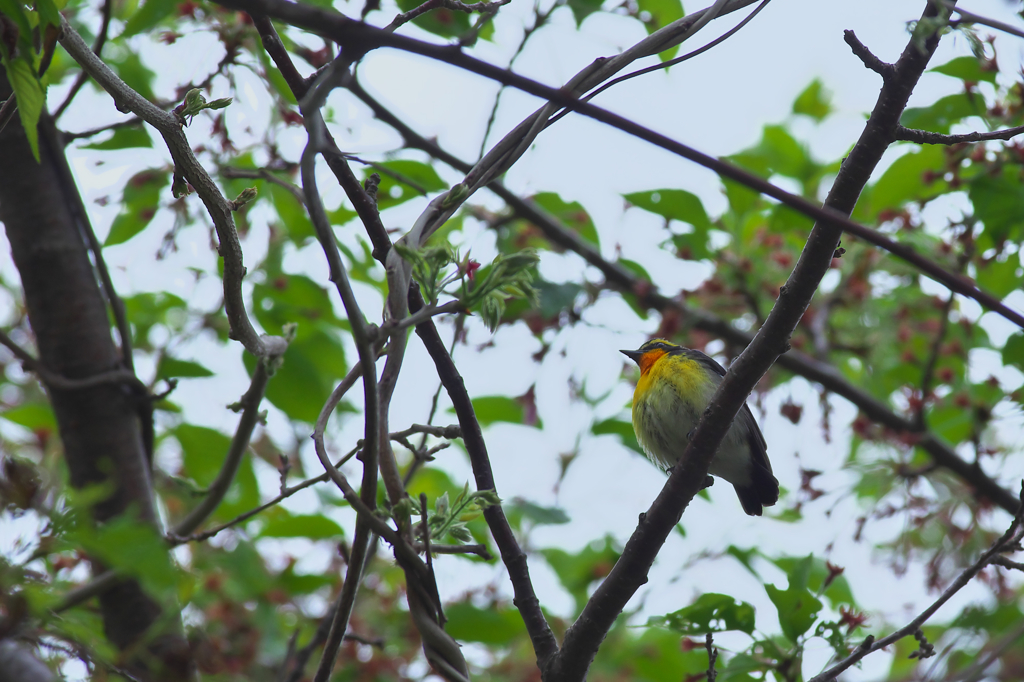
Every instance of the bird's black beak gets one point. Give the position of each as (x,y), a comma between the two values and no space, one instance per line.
(633,355)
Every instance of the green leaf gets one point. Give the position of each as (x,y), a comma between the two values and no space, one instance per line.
(710,613)
(124,138)
(1000,277)
(952,422)
(673,204)
(140,201)
(133,72)
(277,80)
(301,583)
(657,14)
(16,11)
(940,116)
(905,179)
(287,299)
(797,609)
(552,298)
(497,408)
(441,22)
(571,213)
(577,571)
(408,179)
(203,453)
(741,198)
(172,367)
(812,572)
(149,15)
(814,101)
(245,569)
(283,524)
(146,310)
(33,416)
(622,429)
(520,509)
(496,625)
(294,217)
(48,12)
(134,548)
(31,98)
(968,69)
(999,204)
(312,365)
(581,9)
(1013,351)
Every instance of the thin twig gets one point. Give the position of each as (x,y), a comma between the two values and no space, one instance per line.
(972,18)
(883,69)
(169,126)
(712,674)
(544,643)
(315,129)
(539,19)
(84,593)
(97,48)
(1012,536)
(454,5)
(93,132)
(1007,563)
(264,174)
(250,404)
(242,518)
(933,357)
(670,63)
(925,137)
(478,550)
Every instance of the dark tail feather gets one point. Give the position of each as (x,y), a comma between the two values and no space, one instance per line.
(762,492)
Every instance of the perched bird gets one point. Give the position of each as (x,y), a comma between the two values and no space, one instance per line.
(675,386)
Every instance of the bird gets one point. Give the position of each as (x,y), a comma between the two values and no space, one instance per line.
(675,386)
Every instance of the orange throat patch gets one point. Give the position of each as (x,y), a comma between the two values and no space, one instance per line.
(648,359)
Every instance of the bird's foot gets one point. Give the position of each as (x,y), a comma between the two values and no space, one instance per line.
(709,481)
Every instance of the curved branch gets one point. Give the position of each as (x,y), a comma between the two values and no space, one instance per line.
(544,644)
(97,48)
(126,99)
(250,403)
(1008,541)
(925,137)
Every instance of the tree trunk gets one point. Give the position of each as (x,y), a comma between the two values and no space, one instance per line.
(99,425)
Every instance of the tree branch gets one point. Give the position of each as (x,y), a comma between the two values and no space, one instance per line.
(1009,539)
(126,99)
(883,69)
(544,644)
(250,404)
(19,664)
(972,18)
(97,48)
(925,137)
